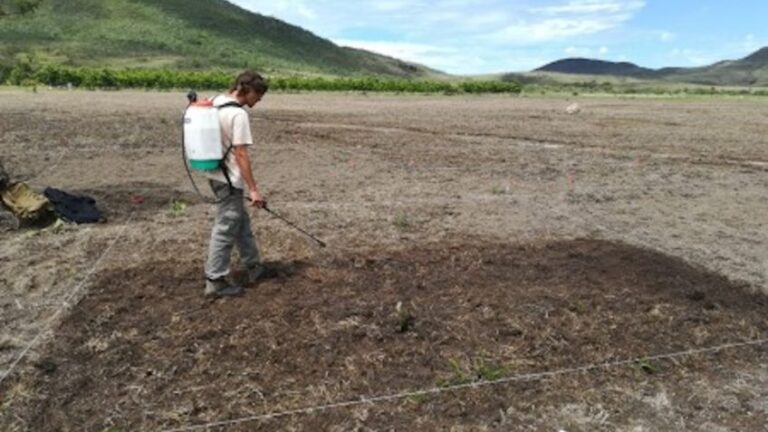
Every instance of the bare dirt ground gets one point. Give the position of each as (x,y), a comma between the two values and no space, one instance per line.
(470,239)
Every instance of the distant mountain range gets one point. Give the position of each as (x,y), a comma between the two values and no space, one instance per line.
(749,71)
(177,34)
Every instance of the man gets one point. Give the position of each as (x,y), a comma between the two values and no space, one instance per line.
(232,225)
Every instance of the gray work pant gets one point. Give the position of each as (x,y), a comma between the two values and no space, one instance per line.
(232,227)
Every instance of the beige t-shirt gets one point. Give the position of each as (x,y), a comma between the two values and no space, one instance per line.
(235,129)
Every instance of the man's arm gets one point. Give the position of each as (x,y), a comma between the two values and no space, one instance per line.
(244,163)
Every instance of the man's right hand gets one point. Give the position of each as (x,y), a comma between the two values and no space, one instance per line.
(255,198)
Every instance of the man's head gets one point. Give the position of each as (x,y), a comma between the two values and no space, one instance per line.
(248,88)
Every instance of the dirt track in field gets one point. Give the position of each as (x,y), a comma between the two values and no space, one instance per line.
(514,237)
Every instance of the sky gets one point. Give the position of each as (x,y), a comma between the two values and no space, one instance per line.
(471,37)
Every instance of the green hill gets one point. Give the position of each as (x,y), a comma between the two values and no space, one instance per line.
(177,34)
(749,71)
(583,66)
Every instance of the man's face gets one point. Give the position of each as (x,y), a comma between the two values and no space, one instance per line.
(252,97)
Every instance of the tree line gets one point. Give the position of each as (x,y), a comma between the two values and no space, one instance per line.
(27,74)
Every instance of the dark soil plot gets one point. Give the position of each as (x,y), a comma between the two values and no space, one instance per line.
(145,351)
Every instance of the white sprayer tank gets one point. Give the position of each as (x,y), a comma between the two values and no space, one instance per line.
(202,136)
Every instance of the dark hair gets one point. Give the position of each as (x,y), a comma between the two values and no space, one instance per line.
(249,81)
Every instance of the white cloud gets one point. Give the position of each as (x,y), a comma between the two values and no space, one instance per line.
(441,58)
(523,33)
(391,5)
(306,12)
(566,20)
(751,43)
(666,36)
(575,51)
(583,7)
(408,51)
(480,20)
(454,35)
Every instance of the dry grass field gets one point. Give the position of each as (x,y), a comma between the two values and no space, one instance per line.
(470,239)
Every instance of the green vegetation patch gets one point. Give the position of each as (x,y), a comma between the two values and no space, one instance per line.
(27,71)
(197,34)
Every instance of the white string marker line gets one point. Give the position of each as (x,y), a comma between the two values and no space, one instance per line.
(65,303)
(50,167)
(437,390)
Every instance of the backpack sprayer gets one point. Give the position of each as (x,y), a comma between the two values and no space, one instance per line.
(202,150)
(201,138)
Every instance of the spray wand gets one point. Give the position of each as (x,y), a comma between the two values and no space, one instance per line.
(292,225)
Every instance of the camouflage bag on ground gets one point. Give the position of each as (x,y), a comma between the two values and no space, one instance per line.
(3,178)
(29,207)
